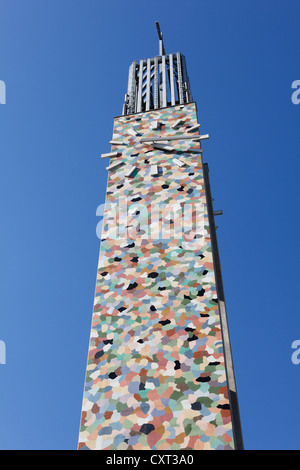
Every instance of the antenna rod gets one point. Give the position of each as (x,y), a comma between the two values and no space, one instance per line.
(160,37)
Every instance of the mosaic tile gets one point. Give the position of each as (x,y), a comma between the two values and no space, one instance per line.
(156,376)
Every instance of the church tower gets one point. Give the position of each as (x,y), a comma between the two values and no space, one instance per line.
(159,371)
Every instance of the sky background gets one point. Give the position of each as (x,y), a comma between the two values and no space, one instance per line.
(65,65)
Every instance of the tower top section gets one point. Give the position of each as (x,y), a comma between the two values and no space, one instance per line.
(157,82)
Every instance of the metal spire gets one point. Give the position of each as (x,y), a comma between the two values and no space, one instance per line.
(160,37)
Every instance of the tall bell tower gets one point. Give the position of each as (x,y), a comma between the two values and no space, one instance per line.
(159,371)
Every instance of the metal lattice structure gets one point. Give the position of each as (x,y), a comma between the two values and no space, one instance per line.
(158,82)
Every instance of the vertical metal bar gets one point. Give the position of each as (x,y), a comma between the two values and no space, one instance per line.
(160,47)
(171,67)
(140,87)
(180,81)
(156,83)
(128,111)
(148,84)
(186,80)
(131,87)
(164,83)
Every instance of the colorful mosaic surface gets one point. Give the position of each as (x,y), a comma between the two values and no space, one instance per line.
(156,376)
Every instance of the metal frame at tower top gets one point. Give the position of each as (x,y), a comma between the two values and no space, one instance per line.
(157,82)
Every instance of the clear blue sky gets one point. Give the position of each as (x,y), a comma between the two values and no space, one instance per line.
(65,66)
